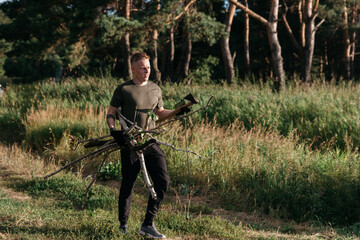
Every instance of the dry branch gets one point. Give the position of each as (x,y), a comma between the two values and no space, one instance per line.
(107,147)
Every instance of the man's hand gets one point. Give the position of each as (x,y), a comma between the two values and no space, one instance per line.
(118,135)
(183,111)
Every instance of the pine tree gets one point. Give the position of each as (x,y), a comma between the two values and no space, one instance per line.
(4,45)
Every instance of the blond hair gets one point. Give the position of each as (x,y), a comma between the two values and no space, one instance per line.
(138,56)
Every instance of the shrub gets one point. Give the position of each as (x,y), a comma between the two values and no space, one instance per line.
(110,171)
(12,129)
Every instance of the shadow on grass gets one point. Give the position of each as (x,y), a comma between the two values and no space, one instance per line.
(68,191)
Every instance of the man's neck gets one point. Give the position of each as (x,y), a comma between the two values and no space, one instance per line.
(140,83)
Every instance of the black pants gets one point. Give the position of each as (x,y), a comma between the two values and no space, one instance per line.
(156,167)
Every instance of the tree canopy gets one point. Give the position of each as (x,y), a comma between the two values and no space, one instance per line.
(56,39)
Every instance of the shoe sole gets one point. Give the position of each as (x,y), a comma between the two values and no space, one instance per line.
(149,235)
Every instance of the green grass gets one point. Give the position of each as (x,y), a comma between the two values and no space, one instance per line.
(70,192)
(42,219)
(322,116)
(292,155)
(262,171)
(34,208)
(52,212)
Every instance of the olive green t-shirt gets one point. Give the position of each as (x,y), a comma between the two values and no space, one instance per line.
(135,101)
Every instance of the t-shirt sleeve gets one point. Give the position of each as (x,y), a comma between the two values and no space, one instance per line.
(116,99)
(160,101)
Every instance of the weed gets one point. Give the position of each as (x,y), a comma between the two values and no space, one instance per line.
(110,171)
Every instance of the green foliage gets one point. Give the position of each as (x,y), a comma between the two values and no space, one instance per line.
(70,191)
(44,217)
(12,128)
(115,27)
(152,115)
(204,70)
(110,171)
(70,92)
(54,39)
(303,194)
(49,136)
(51,66)
(4,48)
(20,67)
(205,28)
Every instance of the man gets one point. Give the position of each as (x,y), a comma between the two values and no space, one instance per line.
(135,98)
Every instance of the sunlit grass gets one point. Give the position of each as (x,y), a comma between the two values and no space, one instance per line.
(292,155)
(34,208)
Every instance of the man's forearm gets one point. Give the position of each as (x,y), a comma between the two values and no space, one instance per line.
(110,122)
(110,116)
(163,114)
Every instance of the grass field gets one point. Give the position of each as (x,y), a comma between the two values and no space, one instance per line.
(33,208)
(289,162)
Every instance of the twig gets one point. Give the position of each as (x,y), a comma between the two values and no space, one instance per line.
(181,150)
(91,139)
(95,177)
(96,153)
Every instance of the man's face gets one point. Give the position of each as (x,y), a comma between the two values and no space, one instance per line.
(141,70)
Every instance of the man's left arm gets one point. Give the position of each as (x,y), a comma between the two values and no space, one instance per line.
(163,113)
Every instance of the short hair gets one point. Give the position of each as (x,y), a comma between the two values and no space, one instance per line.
(138,56)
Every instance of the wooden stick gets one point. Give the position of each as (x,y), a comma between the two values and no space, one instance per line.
(184,116)
(95,153)
(95,177)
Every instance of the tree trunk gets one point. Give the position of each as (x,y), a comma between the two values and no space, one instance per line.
(329,63)
(354,18)
(182,69)
(247,42)
(307,14)
(225,48)
(154,58)
(310,14)
(302,22)
(163,62)
(293,40)
(114,63)
(171,54)
(271,27)
(127,51)
(188,52)
(309,40)
(347,43)
(276,57)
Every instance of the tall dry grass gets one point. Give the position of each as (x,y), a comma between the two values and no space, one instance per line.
(261,170)
(294,154)
(18,161)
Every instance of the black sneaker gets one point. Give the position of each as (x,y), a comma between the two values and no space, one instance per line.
(150,231)
(123,228)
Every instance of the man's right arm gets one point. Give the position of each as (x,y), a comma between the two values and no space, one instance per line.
(116,134)
(111,116)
